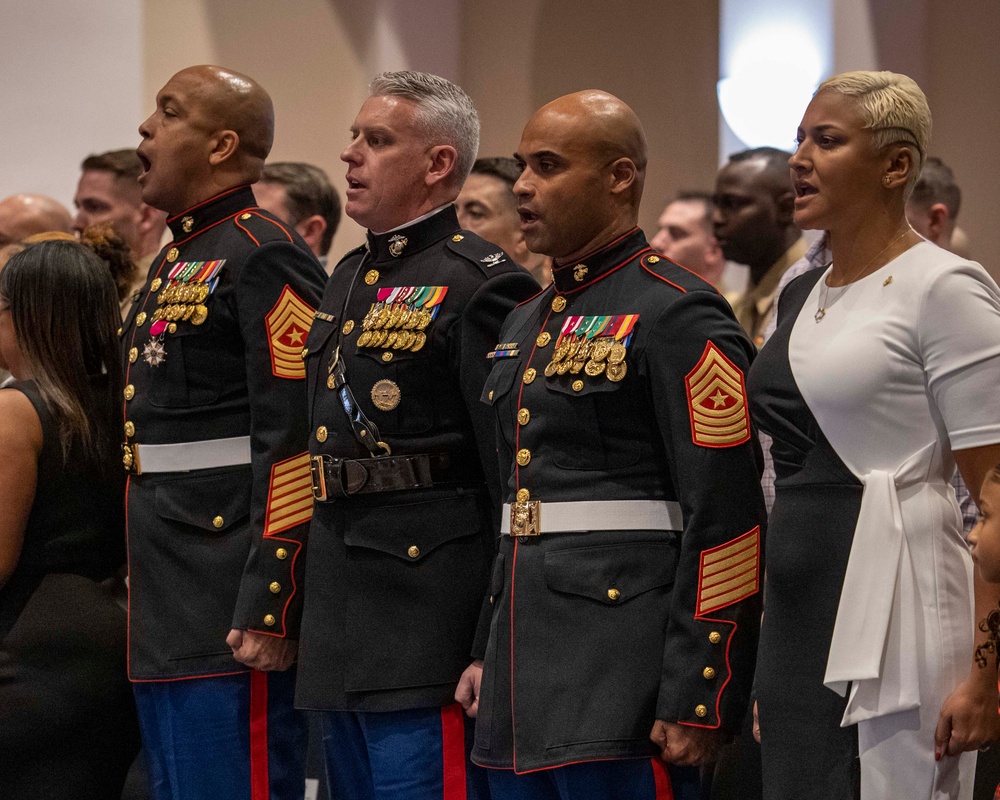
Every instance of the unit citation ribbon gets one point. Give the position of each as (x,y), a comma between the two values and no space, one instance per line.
(288,324)
(717,400)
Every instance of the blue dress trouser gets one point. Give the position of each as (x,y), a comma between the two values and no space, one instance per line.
(233,737)
(420,754)
(633,779)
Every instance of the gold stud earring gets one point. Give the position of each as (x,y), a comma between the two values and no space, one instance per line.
(886,180)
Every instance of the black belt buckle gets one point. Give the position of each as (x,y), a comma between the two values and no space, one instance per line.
(318,474)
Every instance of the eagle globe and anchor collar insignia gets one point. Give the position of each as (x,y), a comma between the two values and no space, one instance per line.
(397,244)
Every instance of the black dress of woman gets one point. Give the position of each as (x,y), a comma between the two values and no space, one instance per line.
(804,751)
(67,716)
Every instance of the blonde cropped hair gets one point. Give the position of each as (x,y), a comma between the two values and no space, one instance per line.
(894,109)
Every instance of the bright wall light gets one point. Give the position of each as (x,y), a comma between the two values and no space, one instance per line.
(772,76)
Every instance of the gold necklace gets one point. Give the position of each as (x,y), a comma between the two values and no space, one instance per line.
(821,311)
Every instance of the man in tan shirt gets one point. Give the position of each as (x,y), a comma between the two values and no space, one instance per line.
(753,225)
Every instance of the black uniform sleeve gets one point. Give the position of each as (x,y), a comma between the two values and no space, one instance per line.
(478,334)
(278,291)
(696,361)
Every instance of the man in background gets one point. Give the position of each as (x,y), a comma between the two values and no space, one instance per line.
(933,207)
(487,206)
(300,195)
(685,236)
(22,215)
(753,225)
(109,191)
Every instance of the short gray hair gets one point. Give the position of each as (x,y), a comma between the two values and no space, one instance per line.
(444,111)
(893,107)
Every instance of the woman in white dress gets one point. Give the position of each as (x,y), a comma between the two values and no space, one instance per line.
(881,376)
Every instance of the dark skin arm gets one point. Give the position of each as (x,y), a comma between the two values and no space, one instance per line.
(969,718)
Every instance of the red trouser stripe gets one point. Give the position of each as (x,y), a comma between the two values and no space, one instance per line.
(453,751)
(259,784)
(661,779)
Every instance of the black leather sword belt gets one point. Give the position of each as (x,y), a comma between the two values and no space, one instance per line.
(337,478)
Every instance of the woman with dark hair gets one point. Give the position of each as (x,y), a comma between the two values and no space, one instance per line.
(67,720)
(880,377)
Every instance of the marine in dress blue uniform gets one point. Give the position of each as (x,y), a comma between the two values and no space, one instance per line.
(625,593)
(214,431)
(404,528)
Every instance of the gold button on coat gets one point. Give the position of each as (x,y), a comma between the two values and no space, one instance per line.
(281,554)
(348,326)
(140,318)
(613,594)
(156,284)
(708,673)
(275,588)
(387,356)
(129,429)
(133,354)
(523,457)
(524,416)
(269,620)
(457,237)
(529,375)
(244,216)
(304,353)
(715,637)
(172,327)
(558,303)
(172,254)
(577,386)
(523,495)
(371,276)
(653,259)
(543,339)
(218,522)
(129,392)
(490,395)
(321,433)
(413,551)
(700,711)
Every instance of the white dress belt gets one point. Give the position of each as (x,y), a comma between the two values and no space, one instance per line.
(875,637)
(606,515)
(187,456)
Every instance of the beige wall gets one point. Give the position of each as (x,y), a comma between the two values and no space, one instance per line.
(661,58)
(963,88)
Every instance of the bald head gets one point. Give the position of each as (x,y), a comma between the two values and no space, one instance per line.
(602,124)
(236,102)
(584,158)
(22,215)
(211,131)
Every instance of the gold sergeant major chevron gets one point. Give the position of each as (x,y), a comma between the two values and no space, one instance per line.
(717,401)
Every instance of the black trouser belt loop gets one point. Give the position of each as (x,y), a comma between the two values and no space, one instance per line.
(337,478)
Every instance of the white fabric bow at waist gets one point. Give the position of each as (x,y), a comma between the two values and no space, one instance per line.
(875,637)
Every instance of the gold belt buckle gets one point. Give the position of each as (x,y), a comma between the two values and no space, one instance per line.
(318,478)
(526,518)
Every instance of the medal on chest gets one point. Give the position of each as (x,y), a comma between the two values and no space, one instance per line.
(595,345)
(400,317)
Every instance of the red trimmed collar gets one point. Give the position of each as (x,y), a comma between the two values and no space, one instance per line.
(599,263)
(210,211)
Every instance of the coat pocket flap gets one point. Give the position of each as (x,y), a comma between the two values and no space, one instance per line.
(428,525)
(611,574)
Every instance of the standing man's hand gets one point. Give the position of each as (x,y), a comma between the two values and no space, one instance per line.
(467,691)
(686,746)
(262,652)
